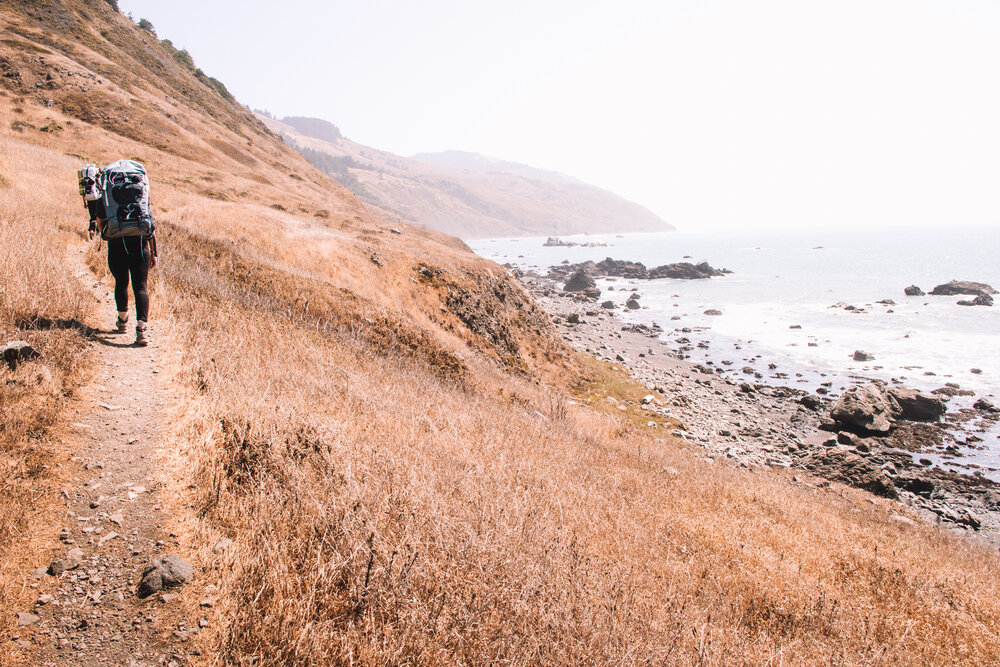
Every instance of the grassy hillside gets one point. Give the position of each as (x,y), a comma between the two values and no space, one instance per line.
(463,193)
(383,423)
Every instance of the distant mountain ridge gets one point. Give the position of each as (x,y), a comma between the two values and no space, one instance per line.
(489,165)
(461,193)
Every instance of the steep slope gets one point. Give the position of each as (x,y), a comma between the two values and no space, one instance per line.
(383,426)
(465,194)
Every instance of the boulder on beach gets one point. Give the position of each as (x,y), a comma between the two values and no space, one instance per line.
(810,402)
(873,407)
(953,287)
(579,282)
(866,407)
(860,355)
(980,300)
(913,290)
(985,406)
(633,302)
(610,305)
(713,312)
(915,406)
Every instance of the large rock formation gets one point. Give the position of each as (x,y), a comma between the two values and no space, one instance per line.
(620,268)
(872,407)
(915,406)
(953,287)
(980,300)
(866,407)
(581,280)
(686,271)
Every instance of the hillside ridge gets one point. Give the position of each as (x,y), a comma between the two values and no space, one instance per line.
(465,194)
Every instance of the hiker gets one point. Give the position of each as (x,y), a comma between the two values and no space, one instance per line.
(117,199)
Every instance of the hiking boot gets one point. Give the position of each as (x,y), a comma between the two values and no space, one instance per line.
(141,336)
(120,325)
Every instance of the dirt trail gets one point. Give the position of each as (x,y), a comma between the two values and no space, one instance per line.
(91,615)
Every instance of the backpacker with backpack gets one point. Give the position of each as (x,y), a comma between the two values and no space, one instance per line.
(125,189)
(90,186)
(90,190)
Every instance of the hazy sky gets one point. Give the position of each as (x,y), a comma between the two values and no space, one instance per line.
(712,113)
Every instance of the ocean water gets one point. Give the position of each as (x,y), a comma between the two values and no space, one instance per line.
(787,278)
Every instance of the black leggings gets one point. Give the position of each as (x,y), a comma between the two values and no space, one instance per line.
(129,256)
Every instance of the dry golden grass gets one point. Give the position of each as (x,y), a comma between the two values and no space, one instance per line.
(395,459)
(385,514)
(42,303)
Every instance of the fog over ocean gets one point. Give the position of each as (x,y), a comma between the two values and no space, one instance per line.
(787,278)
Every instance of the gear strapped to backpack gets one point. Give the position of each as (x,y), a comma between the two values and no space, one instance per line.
(125,187)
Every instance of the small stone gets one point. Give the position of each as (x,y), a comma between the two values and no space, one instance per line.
(116,518)
(104,538)
(44,599)
(73,559)
(25,619)
(222,545)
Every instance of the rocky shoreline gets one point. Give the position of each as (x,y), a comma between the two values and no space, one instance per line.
(752,424)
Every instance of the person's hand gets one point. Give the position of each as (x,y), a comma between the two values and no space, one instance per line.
(152,261)
(90,234)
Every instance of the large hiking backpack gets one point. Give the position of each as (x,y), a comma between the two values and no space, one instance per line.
(90,186)
(126,200)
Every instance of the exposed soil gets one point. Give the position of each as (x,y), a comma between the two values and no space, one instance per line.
(90,614)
